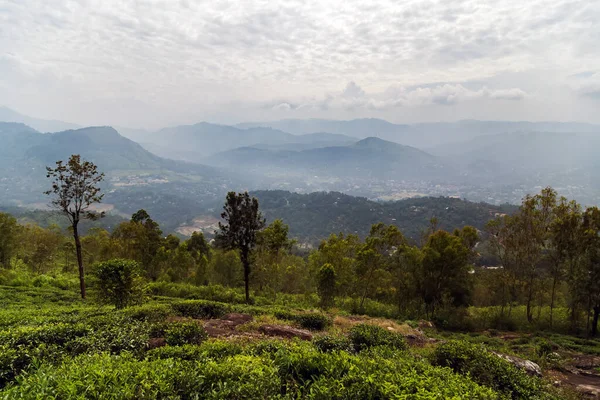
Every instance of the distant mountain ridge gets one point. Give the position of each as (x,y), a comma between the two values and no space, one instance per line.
(421,135)
(370,157)
(199,140)
(41,125)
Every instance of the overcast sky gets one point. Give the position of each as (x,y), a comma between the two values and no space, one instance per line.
(151,63)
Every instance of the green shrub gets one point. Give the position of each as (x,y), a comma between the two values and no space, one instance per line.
(364,336)
(373,376)
(186,352)
(115,337)
(180,333)
(218,349)
(544,348)
(329,343)
(150,312)
(284,314)
(485,368)
(200,309)
(308,320)
(313,321)
(119,282)
(124,377)
(50,334)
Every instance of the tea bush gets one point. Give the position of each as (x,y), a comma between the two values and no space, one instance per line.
(364,336)
(308,320)
(328,343)
(180,333)
(200,309)
(485,368)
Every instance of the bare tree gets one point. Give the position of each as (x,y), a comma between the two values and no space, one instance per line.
(74,190)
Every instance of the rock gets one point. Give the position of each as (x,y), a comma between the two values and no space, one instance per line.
(528,366)
(237,318)
(586,362)
(589,390)
(285,331)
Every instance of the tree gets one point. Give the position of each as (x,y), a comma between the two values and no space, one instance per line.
(74,190)
(373,259)
(589,275)
(564,246)
(326,285)
(243,220)
(274,238)
(8,238)
(197,246)
(119,282)
(444,272)
(140,239)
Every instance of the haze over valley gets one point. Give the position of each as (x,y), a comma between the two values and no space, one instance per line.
(181,173)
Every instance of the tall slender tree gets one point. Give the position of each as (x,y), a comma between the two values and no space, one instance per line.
(243,220)
(74,190)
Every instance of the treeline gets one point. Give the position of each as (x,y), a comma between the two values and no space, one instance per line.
(549,254)
(549,249)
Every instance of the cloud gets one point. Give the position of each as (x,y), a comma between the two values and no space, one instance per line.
(354,97)
(194,55)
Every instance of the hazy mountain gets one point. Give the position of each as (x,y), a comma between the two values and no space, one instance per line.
(41,125)
(532,150)
(190,142)
(27,152)
(423,135)
(370,157)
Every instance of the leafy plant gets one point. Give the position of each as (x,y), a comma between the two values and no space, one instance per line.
(364,336)
(119,282)
(485,368)
(200,309)
(180,333)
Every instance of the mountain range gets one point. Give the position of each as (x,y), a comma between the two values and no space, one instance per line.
(367,158)
(175,170)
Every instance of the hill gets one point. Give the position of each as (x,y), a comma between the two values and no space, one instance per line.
(422,135)
(42,125)
(368,158)
(313,217)
(126,164)
(190,142)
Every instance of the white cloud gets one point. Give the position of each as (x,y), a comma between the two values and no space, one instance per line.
(188,57)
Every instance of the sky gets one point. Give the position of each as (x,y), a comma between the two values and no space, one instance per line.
(155,63)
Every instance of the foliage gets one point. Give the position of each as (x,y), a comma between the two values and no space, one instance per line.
(180,333)
(119,282)
(485,368)
(243,220)
(75,189)
(327,343)
(365,336)
(200,309)
(326,283)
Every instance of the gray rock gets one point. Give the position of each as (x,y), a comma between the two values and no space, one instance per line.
(528,366)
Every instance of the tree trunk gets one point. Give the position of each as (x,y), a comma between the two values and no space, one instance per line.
(79,259)
(246,262)
(529,299)
(552,300)
(595,320)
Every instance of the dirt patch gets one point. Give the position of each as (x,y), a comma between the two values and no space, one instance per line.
(203,223)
